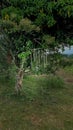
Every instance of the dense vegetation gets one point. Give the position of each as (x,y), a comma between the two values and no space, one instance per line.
(45,102)
(44,23)
(25,25)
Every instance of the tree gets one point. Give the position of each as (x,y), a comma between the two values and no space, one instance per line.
(53,17)
(45,23)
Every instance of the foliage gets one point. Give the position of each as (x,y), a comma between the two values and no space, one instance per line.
(65,8)
(46,24)
(43,13)
(12,13)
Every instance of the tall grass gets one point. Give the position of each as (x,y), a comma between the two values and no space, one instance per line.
(39,87)
(34,87)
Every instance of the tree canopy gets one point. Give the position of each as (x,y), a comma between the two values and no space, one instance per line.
(29,24)
(46,23)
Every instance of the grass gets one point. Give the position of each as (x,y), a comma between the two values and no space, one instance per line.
(46,103)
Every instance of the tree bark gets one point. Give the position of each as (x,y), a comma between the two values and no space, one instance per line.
(19,79)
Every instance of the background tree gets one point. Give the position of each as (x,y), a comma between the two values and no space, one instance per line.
(46,24)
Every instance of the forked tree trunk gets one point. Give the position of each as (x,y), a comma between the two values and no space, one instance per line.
(19,78)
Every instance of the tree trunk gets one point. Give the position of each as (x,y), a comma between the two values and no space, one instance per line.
(19,78)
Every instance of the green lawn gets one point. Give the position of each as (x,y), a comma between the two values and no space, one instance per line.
(46,103)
